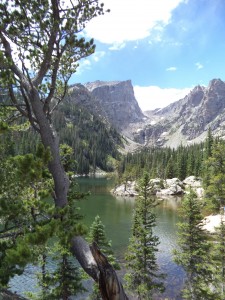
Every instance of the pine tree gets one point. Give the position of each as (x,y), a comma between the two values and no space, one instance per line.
(97,234)
(218,256)
(26,218)
(208,147)
(194,252)
(181,163)
(53,50)
(170,169)
(65,280)
(215,187)
(142,276)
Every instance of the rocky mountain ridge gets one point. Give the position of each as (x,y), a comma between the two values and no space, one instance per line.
(188,120)
(184,121)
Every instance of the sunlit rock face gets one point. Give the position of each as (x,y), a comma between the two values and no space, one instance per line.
(188,120)
(118,101)
(184,122)
(114,101)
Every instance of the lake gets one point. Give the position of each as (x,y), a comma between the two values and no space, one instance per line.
(116,215)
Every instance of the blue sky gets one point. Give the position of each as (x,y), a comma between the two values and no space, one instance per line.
(165,47)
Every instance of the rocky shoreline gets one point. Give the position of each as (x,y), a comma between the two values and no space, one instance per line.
(162,187)
(173,187)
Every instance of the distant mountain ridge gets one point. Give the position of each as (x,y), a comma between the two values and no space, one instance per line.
(184,121)
(188,120)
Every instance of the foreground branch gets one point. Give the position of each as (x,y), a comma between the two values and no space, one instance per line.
(97,266)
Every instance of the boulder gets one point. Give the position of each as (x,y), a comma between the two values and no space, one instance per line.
(171,187)
(193,182)
(210,223)
(174,189)
(160,187)
(171,182)
(157,184)
(127,189)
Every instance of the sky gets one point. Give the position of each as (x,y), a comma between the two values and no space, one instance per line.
(165,47)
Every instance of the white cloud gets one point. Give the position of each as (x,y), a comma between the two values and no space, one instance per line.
(130,20)
(117,46)
(86,63)
(198,65)
(171,69)
(152,97)
(98,55)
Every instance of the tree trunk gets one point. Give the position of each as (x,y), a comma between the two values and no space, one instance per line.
(97,266)
(51,141)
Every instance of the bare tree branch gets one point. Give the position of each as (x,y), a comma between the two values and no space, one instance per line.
(97,266)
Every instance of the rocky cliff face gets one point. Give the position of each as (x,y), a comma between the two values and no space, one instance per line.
(114,101)
(189,119)
(117,99)
(184,121)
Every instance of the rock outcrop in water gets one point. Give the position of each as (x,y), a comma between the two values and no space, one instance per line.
(162,187)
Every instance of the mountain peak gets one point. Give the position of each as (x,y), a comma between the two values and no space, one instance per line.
(99,83)
(216,82)
(184,121)
(114,100)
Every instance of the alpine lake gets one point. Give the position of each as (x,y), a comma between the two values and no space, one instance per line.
(116,214)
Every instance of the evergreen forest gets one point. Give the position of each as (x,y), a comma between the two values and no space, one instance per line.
(95,143)
(46,141)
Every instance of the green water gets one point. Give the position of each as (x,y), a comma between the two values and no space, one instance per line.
(116,214)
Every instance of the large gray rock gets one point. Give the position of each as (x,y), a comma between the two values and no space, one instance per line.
(171,187)
(193,182)
(114,101)
(127,189)
(159,187)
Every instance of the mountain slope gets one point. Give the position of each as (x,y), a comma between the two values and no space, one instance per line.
(185,121)
(114,101)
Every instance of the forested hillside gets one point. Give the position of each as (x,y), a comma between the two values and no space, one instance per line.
(167,162)
(95,143)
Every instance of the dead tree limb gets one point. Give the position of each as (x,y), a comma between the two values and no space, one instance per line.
(97,266)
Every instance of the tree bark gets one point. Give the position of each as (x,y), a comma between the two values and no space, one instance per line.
(50,139)
(97,266)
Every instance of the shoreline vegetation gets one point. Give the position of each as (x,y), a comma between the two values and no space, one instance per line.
(171,188)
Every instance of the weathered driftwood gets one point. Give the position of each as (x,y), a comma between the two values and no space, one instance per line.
(97,266)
